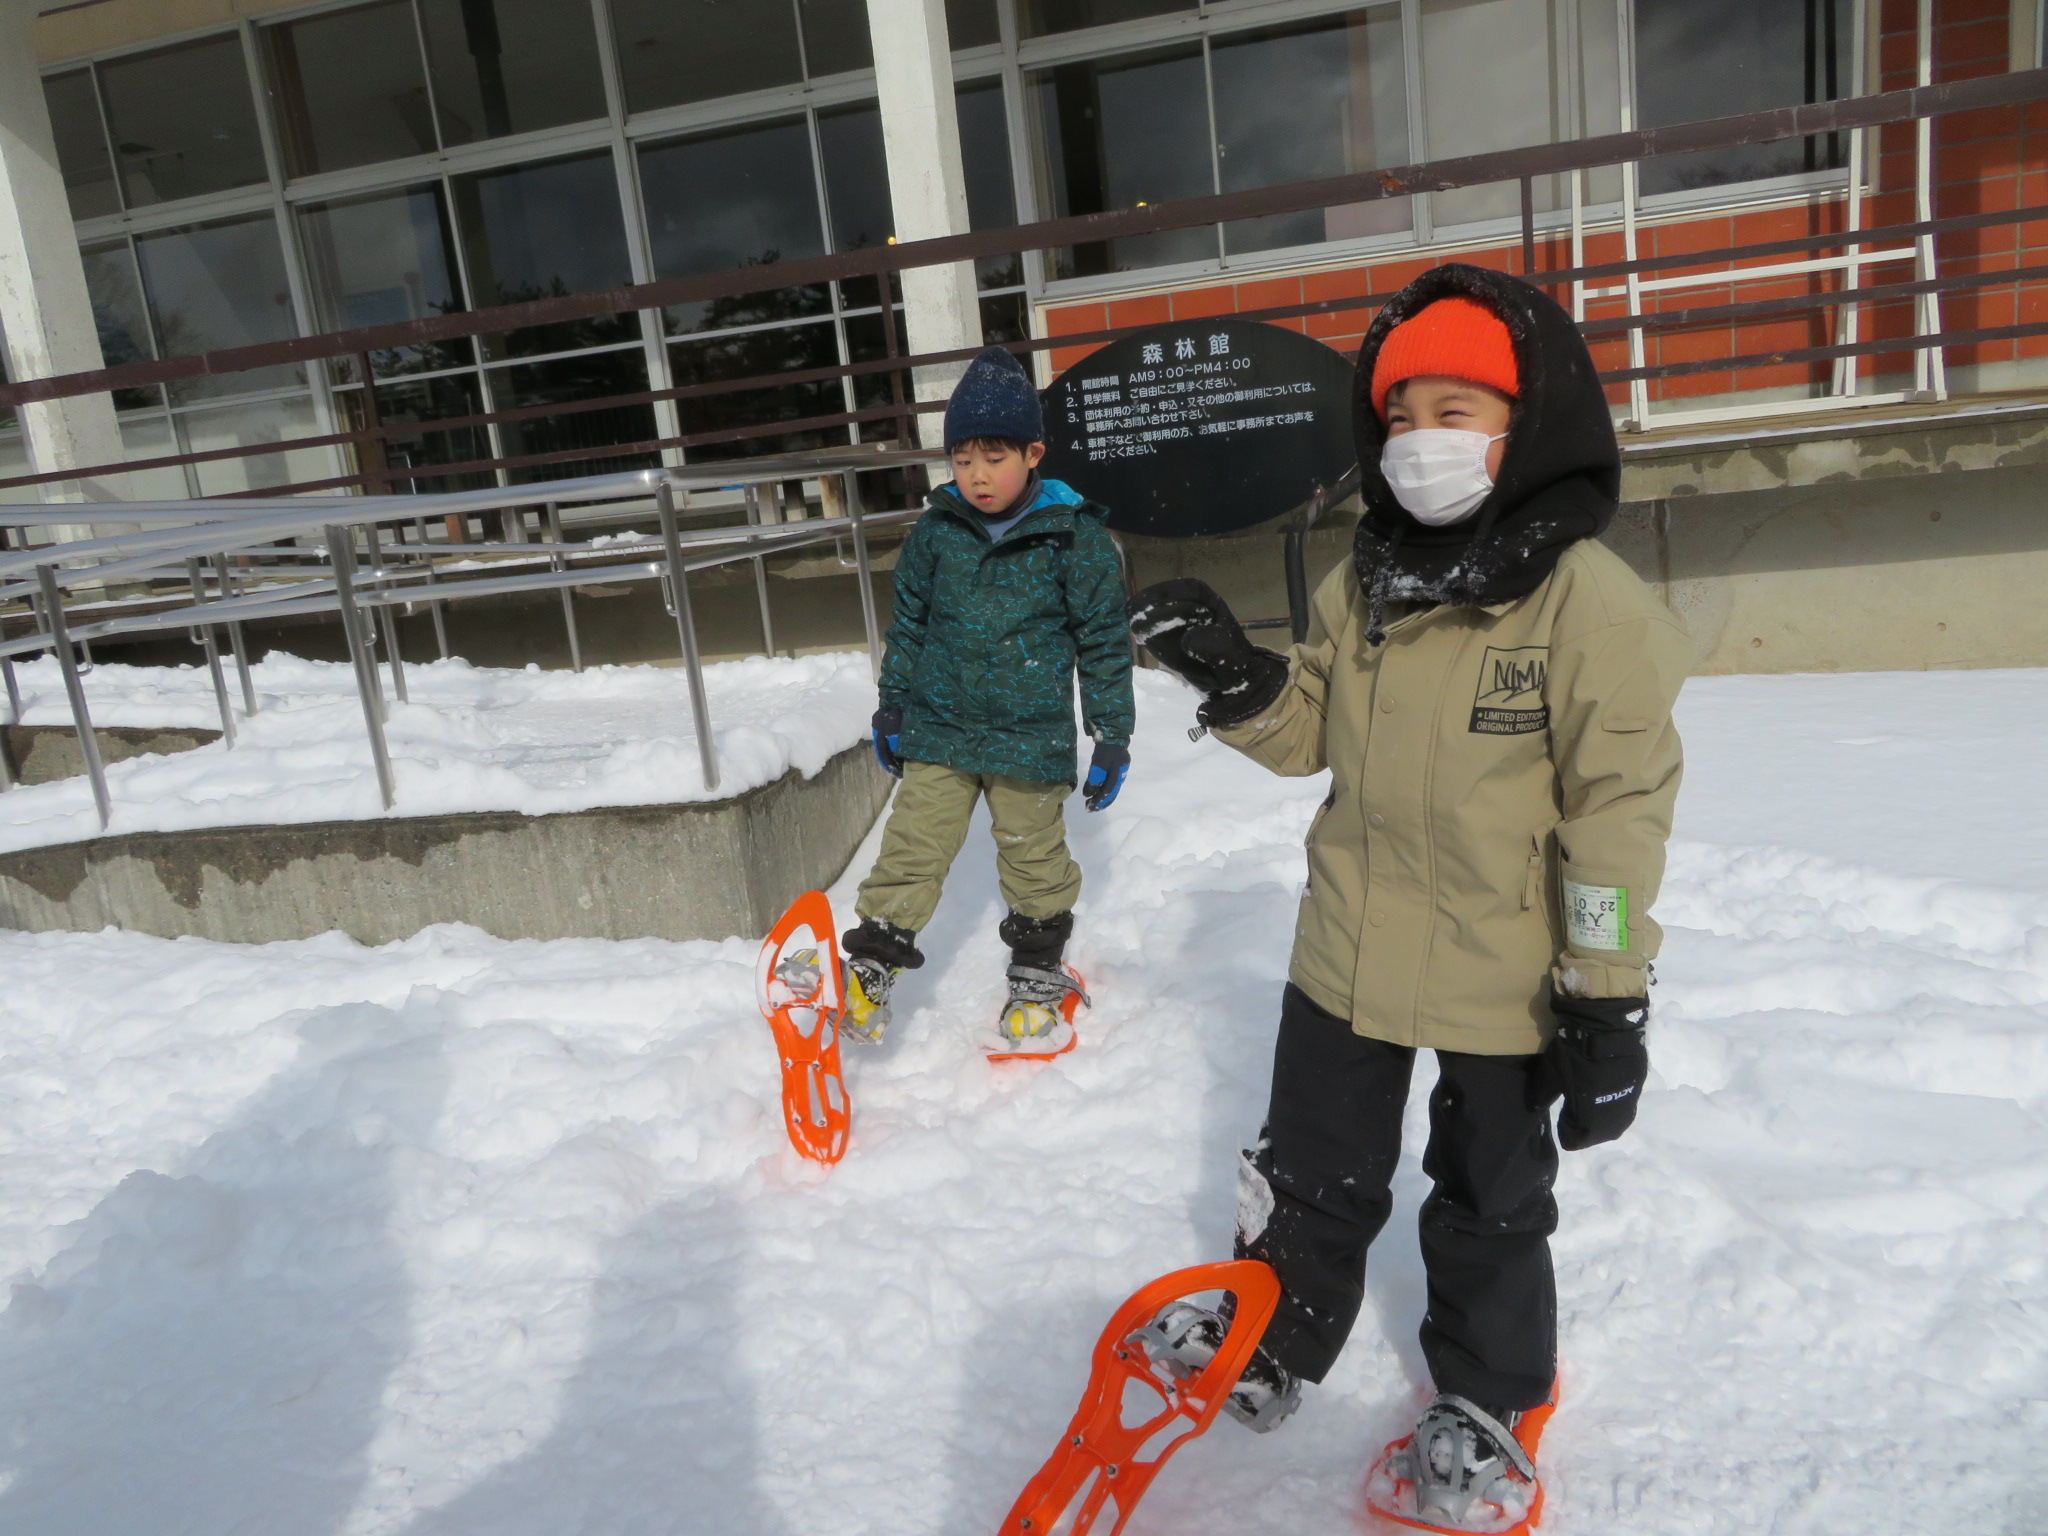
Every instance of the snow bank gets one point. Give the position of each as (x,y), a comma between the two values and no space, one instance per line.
(463,1236)
(472,739)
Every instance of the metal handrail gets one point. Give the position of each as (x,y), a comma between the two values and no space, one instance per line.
(360,589)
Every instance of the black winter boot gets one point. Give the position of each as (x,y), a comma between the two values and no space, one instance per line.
(876,952)
(1039,984)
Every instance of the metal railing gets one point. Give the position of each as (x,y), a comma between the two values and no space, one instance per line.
(1857,247)
(236,571)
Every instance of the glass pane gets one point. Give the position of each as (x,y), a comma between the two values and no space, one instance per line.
(1741,56)
(410,406)
(1500,52)
(670,52)
(511,66)
(985,158)
(349,89)
(380,260)
(219,285)
(741,198)
(81,144)
(1113,133)
(120,316)
(1004,318)
(148,435)
(972,23)
(182,121)
(576,378)
(537,231)
(250,425)
(856,189)
(713,359)
(1038,17)
(836,36)
(1314,101)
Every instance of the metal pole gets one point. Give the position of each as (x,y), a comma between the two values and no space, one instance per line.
(13,718)
(236,641)
(1528,230)
(74,689)
(387,617)
(761,575)
(365,664)
(202,636)
(860,564)
(686,629)
(554,522)
(434,608)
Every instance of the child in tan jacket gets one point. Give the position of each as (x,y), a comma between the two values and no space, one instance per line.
(1491,690)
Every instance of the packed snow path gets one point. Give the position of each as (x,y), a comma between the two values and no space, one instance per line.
(461,1237)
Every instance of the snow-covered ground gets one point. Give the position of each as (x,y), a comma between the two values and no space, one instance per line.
(464,1236)
(471,739)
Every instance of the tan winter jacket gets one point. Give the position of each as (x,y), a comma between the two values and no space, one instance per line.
(1502,781)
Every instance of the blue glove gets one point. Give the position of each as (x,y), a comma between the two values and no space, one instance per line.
(1106,770)
(888,729)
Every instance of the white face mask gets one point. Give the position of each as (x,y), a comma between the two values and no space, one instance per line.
(1438,474)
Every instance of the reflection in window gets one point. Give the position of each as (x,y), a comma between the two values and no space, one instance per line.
(856,189)
(1738,56)
(220,285)
(972,24)
(182,120)
(739,198)
(1308,102)
(411,406)
(1121,131)
(349,88)
(673,51)
(81,144)
(511,66)
(560,381)
(714,359)
(380,260)
(246,425)
(1038,17)
(539,231)
(985,162)
(120,316)
(836,37)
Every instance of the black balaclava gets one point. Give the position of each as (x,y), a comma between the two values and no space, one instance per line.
(1560,479)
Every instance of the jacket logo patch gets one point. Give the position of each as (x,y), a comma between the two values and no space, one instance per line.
(1510,697)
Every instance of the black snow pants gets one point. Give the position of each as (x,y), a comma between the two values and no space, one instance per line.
(1315,1193)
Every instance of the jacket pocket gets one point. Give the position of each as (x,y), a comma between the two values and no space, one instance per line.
(1532,884)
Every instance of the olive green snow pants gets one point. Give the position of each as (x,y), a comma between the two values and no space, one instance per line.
(928,823)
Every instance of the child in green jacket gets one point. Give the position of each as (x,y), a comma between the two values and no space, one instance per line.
(1006,588)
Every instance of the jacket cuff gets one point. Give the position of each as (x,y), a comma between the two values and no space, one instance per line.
(1576,976)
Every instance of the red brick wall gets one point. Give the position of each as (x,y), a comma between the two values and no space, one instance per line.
(1984,161)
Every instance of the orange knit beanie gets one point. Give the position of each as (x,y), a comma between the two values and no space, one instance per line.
(1459,338)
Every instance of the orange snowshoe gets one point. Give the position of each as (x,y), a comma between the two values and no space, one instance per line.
(1139,1408)
(797,983)
(1462,1473)
(1038,1019)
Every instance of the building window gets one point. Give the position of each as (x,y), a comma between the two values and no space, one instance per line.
(972,24)
(1739,56)
(511,66)
(383,259)
(183,122)
(218,285)
(673,53)
(1040,17)
(349,88)
(81,144)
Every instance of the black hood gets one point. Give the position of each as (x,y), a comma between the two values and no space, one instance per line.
(1560,479)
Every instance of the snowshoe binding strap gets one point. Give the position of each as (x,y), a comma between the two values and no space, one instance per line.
(868,983)
(1184,1338)
(1036,995)
(1465,1464)
(1119,1437)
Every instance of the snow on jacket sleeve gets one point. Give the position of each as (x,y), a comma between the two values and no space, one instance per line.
(1292,736)
(909,615)
(1615,747)
(1097,619)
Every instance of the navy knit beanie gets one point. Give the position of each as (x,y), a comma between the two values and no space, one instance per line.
(994,399)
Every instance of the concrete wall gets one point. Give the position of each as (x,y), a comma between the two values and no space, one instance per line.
(701,871)
(40,754)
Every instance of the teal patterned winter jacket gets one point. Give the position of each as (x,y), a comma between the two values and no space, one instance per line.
(987,638)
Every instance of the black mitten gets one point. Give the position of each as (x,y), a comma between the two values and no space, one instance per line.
(1193,632)
(1600,1061)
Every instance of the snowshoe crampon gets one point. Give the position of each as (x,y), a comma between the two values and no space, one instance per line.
(1505,1498)
(797,983)
(1037,1030)
(1138,1409)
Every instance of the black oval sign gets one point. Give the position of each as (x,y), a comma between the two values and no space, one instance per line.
(1201,426)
